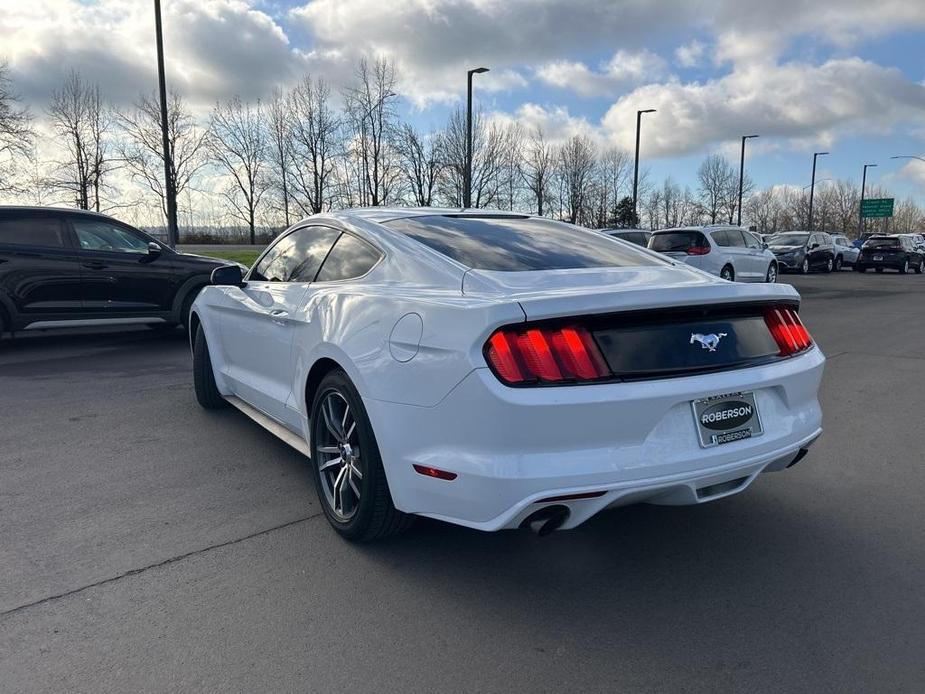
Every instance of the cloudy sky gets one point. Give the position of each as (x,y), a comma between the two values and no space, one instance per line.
(846,76)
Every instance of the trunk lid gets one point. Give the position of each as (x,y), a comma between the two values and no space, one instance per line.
(560,293)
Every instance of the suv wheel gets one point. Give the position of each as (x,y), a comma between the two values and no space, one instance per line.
(920,268)
(727,273)
(838,263)
(905,268)
(771,277)
(804,268)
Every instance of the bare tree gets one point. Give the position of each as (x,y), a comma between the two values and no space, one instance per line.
(420,163)
(238,144)
(79,117)
(615,167)
(512,153)
(537,169)
(16,134)
(487,160)
(576,165)
(142,148)
(314,145)
(278,132)
(716,177)
(370,106)
(846,204)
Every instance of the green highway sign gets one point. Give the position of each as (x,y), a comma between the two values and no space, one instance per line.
(877,207)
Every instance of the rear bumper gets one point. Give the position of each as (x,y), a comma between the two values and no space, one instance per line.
(512,448)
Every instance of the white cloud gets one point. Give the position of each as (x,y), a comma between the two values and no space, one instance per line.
(914,170)
(689,55)
(792,100)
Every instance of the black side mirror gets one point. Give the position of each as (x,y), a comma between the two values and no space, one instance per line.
(228,276)
(154,249)
(813,246)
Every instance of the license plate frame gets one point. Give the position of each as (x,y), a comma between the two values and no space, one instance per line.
(719,419)
(878,257)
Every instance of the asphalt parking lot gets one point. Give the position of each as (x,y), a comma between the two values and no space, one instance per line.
(149,545)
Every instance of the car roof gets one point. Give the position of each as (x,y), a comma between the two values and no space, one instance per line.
(387,214)
(52,209)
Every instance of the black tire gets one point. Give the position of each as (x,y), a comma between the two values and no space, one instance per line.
(203,376)
(727,273)
(920,268)
(771,275)
(905,268)
(804,268)
(838,263)
(829,265)
(374,516)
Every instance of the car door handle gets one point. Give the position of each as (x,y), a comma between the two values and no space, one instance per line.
(277,316)
(93,265)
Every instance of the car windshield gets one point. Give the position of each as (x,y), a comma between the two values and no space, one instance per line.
(788,240)
(667,242)
(882,243)
(516,244)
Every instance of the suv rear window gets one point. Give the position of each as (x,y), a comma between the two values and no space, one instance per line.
(679,241)
(32,230)
(516,244)
(882,243)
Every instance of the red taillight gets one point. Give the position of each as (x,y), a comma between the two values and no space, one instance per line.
(698,250)
(788,330)
(545,355)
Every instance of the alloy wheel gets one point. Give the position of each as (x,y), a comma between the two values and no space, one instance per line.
(805,267)
(337,455)
(726,273)
(772,275)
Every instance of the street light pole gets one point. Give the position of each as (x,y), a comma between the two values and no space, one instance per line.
(812,188)
(467,183)
(908,156)
(170,191)
(861,206)
(636,161)
(742,178)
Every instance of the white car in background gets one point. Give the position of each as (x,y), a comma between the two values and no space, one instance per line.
(498,371)
(729,252)
(846,254)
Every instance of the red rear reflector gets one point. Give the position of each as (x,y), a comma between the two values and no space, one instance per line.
(546,355)
(698,250)
(435,472)
(788,330)
(571,497)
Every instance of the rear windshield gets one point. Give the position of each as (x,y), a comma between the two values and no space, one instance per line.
(640,238)
(882,243)
(676,241)
(516,244)
(788,239)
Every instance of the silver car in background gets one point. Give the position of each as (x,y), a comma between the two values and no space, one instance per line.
(845,253)
(727,251)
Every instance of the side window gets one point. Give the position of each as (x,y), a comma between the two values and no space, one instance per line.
(297,256)
(96,235)
(732,237)
(750,240)
(32,230)
(721,238)
(349,258)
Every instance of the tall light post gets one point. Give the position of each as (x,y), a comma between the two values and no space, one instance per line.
(467,184)
(170,189)
(636,161)
(861,206)
(908,156)
(742,178)
(812,188)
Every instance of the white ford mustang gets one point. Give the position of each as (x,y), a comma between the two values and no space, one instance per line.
(499,370)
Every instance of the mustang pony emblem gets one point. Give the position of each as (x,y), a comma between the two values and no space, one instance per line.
(710,342)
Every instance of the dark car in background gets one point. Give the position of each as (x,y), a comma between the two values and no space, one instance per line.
(638,236)
(897,252)
(802,251)
(72,268)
